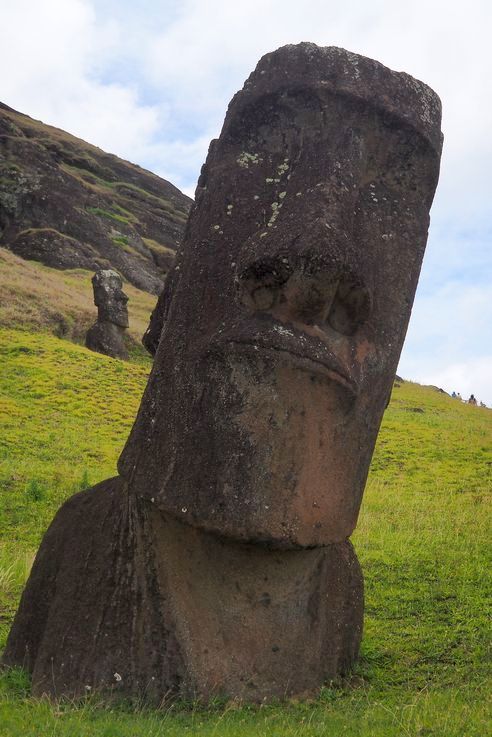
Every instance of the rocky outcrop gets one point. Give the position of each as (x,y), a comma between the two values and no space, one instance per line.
(71,205)
(107,335)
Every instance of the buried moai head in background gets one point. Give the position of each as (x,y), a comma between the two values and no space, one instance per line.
(107,334)
(109,297)
(286,311)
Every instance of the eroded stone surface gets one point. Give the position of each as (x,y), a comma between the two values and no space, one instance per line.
(218,562)
(125,599)
(289,305)
(107,334)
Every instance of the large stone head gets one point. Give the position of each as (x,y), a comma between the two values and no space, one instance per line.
(288,305)
(109,297)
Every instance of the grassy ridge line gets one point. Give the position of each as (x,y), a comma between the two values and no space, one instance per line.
(422,541)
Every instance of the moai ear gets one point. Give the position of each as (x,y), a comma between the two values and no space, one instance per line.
(158,317)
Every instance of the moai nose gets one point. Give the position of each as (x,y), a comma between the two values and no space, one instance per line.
(307,297)
(351,306)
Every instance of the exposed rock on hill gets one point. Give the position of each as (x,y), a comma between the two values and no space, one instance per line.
(69,204)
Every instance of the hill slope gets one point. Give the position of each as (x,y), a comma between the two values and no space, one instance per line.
(37,297)
(421,539)
(69,204)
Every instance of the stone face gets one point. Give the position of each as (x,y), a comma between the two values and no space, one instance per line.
(290,301)
(218,562)
(110,298)
(107,334)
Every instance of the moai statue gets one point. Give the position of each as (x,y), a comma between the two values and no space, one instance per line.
(108,333)
(219,561)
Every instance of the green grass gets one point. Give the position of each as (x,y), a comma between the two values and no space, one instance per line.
(99,212)
(359,713)
(47,231)
(422,542)
(65,412)
(121,239)
(158,247)
(123,189)
(123,242)
(159,202)
(85,175)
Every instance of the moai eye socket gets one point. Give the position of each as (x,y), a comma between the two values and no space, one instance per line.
(350,308)
(260,285)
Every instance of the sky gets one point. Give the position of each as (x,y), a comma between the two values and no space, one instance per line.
(150,80)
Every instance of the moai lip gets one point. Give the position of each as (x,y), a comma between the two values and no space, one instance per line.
(288,306)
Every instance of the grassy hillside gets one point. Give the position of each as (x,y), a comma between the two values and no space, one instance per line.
(65,413)
(39,298)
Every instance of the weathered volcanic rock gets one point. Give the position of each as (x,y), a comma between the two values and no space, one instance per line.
(107,335)
(70,205)
(218,561)
(158,317)
(125,599)
(282,328)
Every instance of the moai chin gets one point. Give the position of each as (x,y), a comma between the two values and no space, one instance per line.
(218,562)
(107,334)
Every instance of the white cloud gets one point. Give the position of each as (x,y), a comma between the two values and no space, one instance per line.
(89,64)
(176,160)
(151,80)
(54,51)
(203,56)
(448,342)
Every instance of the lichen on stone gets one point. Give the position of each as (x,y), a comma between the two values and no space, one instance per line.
(245,159)
(282,168)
